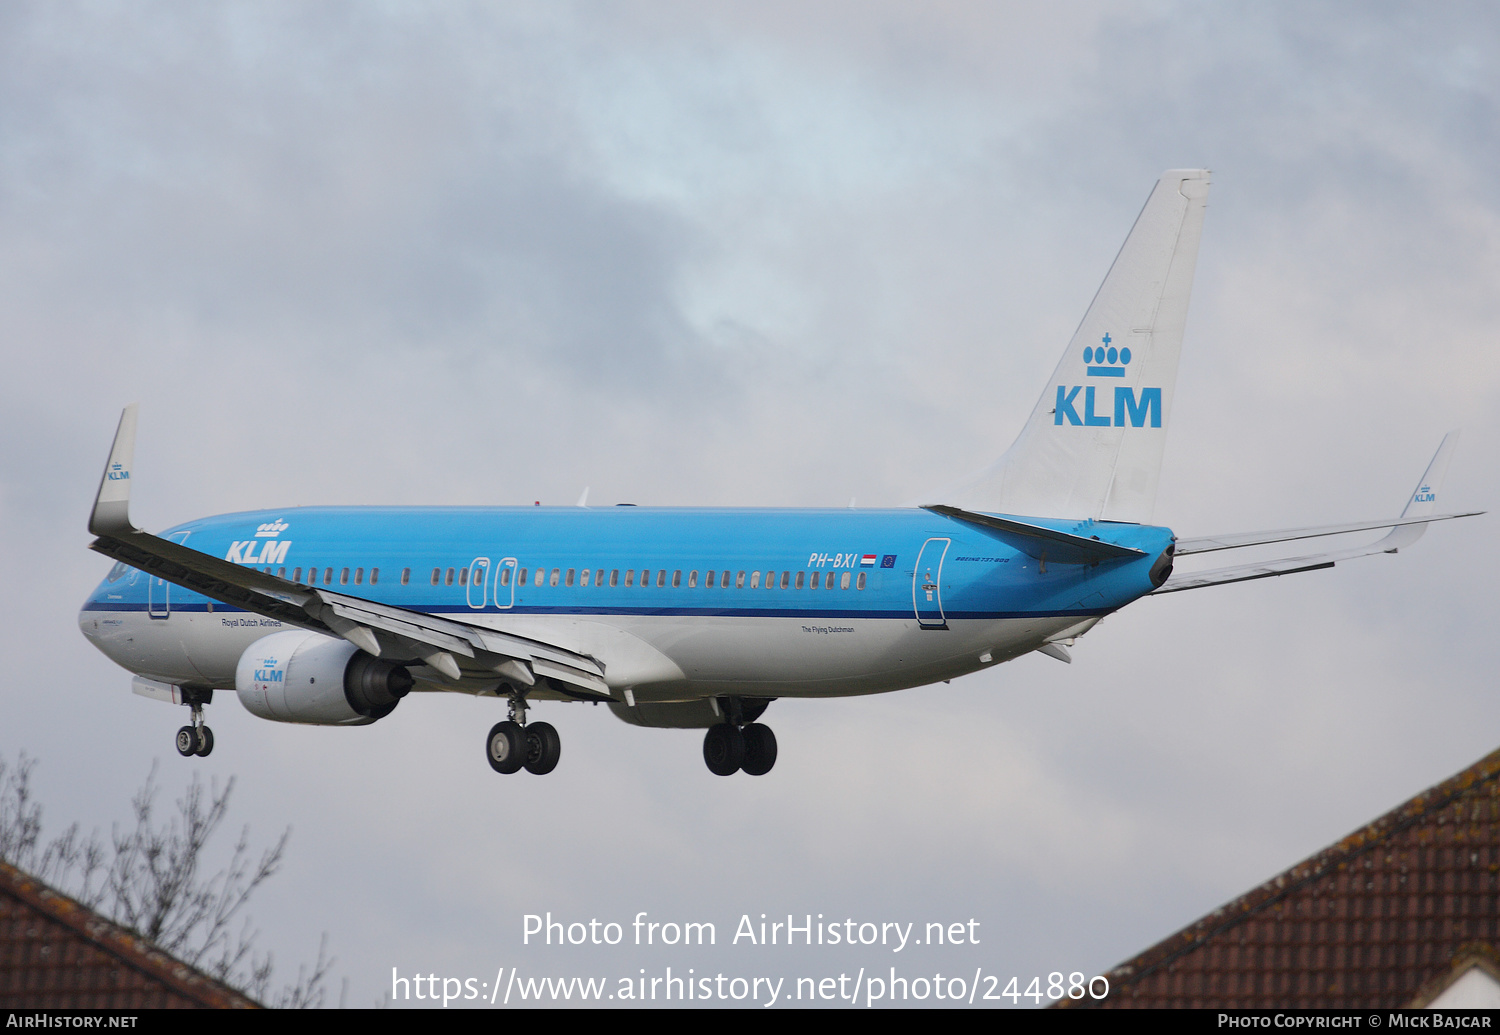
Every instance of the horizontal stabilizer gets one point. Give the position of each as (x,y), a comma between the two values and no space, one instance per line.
(1046,544)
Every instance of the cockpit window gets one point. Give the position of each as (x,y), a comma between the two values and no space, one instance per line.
(118,571)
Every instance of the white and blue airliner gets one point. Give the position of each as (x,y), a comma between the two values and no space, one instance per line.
(698,618)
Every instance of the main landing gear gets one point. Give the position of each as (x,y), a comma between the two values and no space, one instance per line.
(738,746)
(196,739)
(515,744)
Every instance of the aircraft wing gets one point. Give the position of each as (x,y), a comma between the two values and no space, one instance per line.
(1404,531)
(1234,541)
(378,629)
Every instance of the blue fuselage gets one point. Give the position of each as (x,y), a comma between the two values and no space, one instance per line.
(748,600)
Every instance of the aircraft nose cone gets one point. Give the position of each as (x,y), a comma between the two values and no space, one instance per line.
(88,624)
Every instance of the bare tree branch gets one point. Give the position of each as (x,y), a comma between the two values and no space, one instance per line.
(147,878)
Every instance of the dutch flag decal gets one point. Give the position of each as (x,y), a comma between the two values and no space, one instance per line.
(867,561)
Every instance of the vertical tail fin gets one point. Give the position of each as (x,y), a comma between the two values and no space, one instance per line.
(1093,445)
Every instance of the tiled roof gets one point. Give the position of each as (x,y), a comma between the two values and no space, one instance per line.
(1381,919)
(57,954)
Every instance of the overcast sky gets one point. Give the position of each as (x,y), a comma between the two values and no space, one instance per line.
(761,254)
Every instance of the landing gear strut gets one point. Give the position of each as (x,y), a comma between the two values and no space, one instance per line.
(736,745)
(196,739)
(514,745)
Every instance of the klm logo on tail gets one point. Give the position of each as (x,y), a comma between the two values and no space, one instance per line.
(1107,361)
(117,473)
(1424,495)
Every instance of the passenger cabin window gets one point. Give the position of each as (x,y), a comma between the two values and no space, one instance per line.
(296,574)
(568,579)
(521,578)
(344,577)
(437,575)
(725,580)
(281,573)
(755,580)
(739,581)
(478,576)
(541,575)
(463,576)
(813,580)
(448,578)
(359,576)
(692,580)
(599,577)
(708,579)
(327,576)
(629,577)
(405,576)
(676,579)
(583,577)
(614,577)
(786,578)
(844,581)
(861,583)
(661,578)
(505,576)
(374,576)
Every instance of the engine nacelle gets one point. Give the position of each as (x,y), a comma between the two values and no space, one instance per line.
(302,676)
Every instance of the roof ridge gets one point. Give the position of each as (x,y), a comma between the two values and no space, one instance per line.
(1314,867)
(112,938)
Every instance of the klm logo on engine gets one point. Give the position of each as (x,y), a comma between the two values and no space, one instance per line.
(270,671)
(1129,410)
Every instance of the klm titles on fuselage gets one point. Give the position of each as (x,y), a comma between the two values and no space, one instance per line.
(1107,361)
(271,550)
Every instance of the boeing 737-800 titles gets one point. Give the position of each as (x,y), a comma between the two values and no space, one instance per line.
(698,618)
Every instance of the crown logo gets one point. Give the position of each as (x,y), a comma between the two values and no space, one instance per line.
(272,529)
(1105,360)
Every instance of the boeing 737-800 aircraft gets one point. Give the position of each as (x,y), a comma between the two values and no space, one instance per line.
(698,618)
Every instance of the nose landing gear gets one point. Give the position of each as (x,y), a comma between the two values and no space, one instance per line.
(196,739)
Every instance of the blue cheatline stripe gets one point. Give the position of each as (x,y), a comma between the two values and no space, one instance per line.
(656,612)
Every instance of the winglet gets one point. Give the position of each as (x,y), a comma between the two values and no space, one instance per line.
(1423,500)
(111,516)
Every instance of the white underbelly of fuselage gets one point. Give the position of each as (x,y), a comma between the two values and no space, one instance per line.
(657,657)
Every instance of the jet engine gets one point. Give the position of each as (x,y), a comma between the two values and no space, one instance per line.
(302,676)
